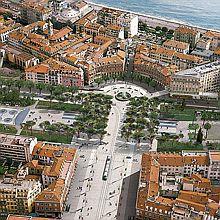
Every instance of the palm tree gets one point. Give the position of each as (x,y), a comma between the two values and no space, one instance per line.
(207,126)
(29,125)
(44,125)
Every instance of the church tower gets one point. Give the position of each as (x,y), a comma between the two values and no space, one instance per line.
(50,28)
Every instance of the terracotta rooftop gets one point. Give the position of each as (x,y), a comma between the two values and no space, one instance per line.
(53,193)
(61,33)
(186,30)
(176,44)
(19,217)
(51,64)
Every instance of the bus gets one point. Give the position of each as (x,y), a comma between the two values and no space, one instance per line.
(106,168)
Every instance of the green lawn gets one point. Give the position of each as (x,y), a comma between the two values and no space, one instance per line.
(8,129)
(48,136)
(59,106)
(186,114)
(176,146)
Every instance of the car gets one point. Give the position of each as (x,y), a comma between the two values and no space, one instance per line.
(128,157)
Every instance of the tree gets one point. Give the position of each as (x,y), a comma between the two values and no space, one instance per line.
(9,83)
(2,82)
(58,91)
(29,125)
(137,135)
(194,127)
(73,90)
(101,134)
(158,28)
(199,136)
(19,84)
(207,126)
(164,29)
(98,81)
(171,31)
(29,85)
(152,83)
(40,87)
(44,125)
(50,88)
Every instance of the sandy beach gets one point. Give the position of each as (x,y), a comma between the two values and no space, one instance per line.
(152,20)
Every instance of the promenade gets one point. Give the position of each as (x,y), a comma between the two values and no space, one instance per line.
(152,21)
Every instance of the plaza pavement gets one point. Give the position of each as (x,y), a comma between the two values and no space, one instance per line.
(91,198)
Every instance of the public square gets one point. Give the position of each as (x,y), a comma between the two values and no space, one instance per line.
(91,197)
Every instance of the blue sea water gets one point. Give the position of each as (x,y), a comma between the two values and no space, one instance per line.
(203,13)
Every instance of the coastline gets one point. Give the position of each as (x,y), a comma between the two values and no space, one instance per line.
(153,20)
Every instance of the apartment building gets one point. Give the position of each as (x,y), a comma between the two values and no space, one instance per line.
(200,81)
(55,72)
(17,148)
(18,57)
(216,54)
(170,56)
(56,166)
(177,186)
(32,11)
(17,196)
(212,37)
(6,30)
(109,66)
(128,21)
(178,46)
(161,74)
(188,35)
(91,17)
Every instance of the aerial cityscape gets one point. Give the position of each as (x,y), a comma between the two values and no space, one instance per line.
(109,110)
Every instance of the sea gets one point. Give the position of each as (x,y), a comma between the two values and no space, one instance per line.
(202,13)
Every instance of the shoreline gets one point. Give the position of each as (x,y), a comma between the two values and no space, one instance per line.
(153,20)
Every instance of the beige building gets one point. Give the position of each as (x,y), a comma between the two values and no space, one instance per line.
(17,195)
(6,30)
(55,72)
(178,46)
(187,34)
(32,12)
(200,81)
(129,22)
(17,148)
(214,37)
(19,58)
(55,165)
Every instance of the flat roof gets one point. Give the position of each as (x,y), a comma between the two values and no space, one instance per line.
(199,70)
